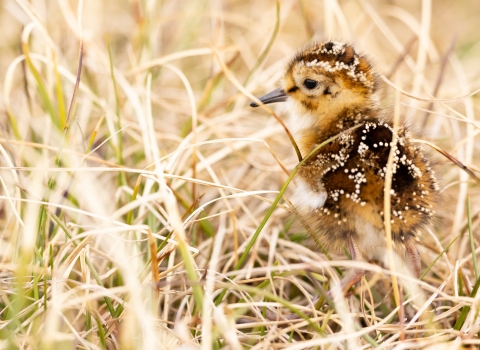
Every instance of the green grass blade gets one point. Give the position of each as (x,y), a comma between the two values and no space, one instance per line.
(42,90)
(466,309)
(265,52)
(472,241)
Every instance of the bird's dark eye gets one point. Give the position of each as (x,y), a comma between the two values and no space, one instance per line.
(310,84)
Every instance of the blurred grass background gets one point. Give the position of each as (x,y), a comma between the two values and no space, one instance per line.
(125,211)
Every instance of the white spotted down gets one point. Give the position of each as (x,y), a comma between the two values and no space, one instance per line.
(338,49)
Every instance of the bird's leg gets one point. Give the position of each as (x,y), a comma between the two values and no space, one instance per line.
(412,257)
(357,273)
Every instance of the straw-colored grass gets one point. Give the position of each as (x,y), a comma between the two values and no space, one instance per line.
(140,194)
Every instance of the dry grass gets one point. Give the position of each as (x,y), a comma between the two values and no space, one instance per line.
(161,153)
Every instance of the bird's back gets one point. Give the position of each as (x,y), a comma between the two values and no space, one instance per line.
(351,171)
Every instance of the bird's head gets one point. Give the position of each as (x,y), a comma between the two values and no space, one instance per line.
(325,78)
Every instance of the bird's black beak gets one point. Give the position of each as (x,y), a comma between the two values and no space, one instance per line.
(277,95)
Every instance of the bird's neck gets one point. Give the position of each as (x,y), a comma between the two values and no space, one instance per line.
(310,136)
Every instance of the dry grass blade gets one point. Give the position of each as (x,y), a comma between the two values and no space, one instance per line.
(453,99)
(387,211)
(441,74)
(450,158)
(75,89)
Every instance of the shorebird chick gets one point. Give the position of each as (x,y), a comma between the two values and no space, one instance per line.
(330,88)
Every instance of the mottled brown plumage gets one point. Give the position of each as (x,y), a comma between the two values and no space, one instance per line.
(330,88)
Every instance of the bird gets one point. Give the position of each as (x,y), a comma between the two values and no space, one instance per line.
(329,89)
